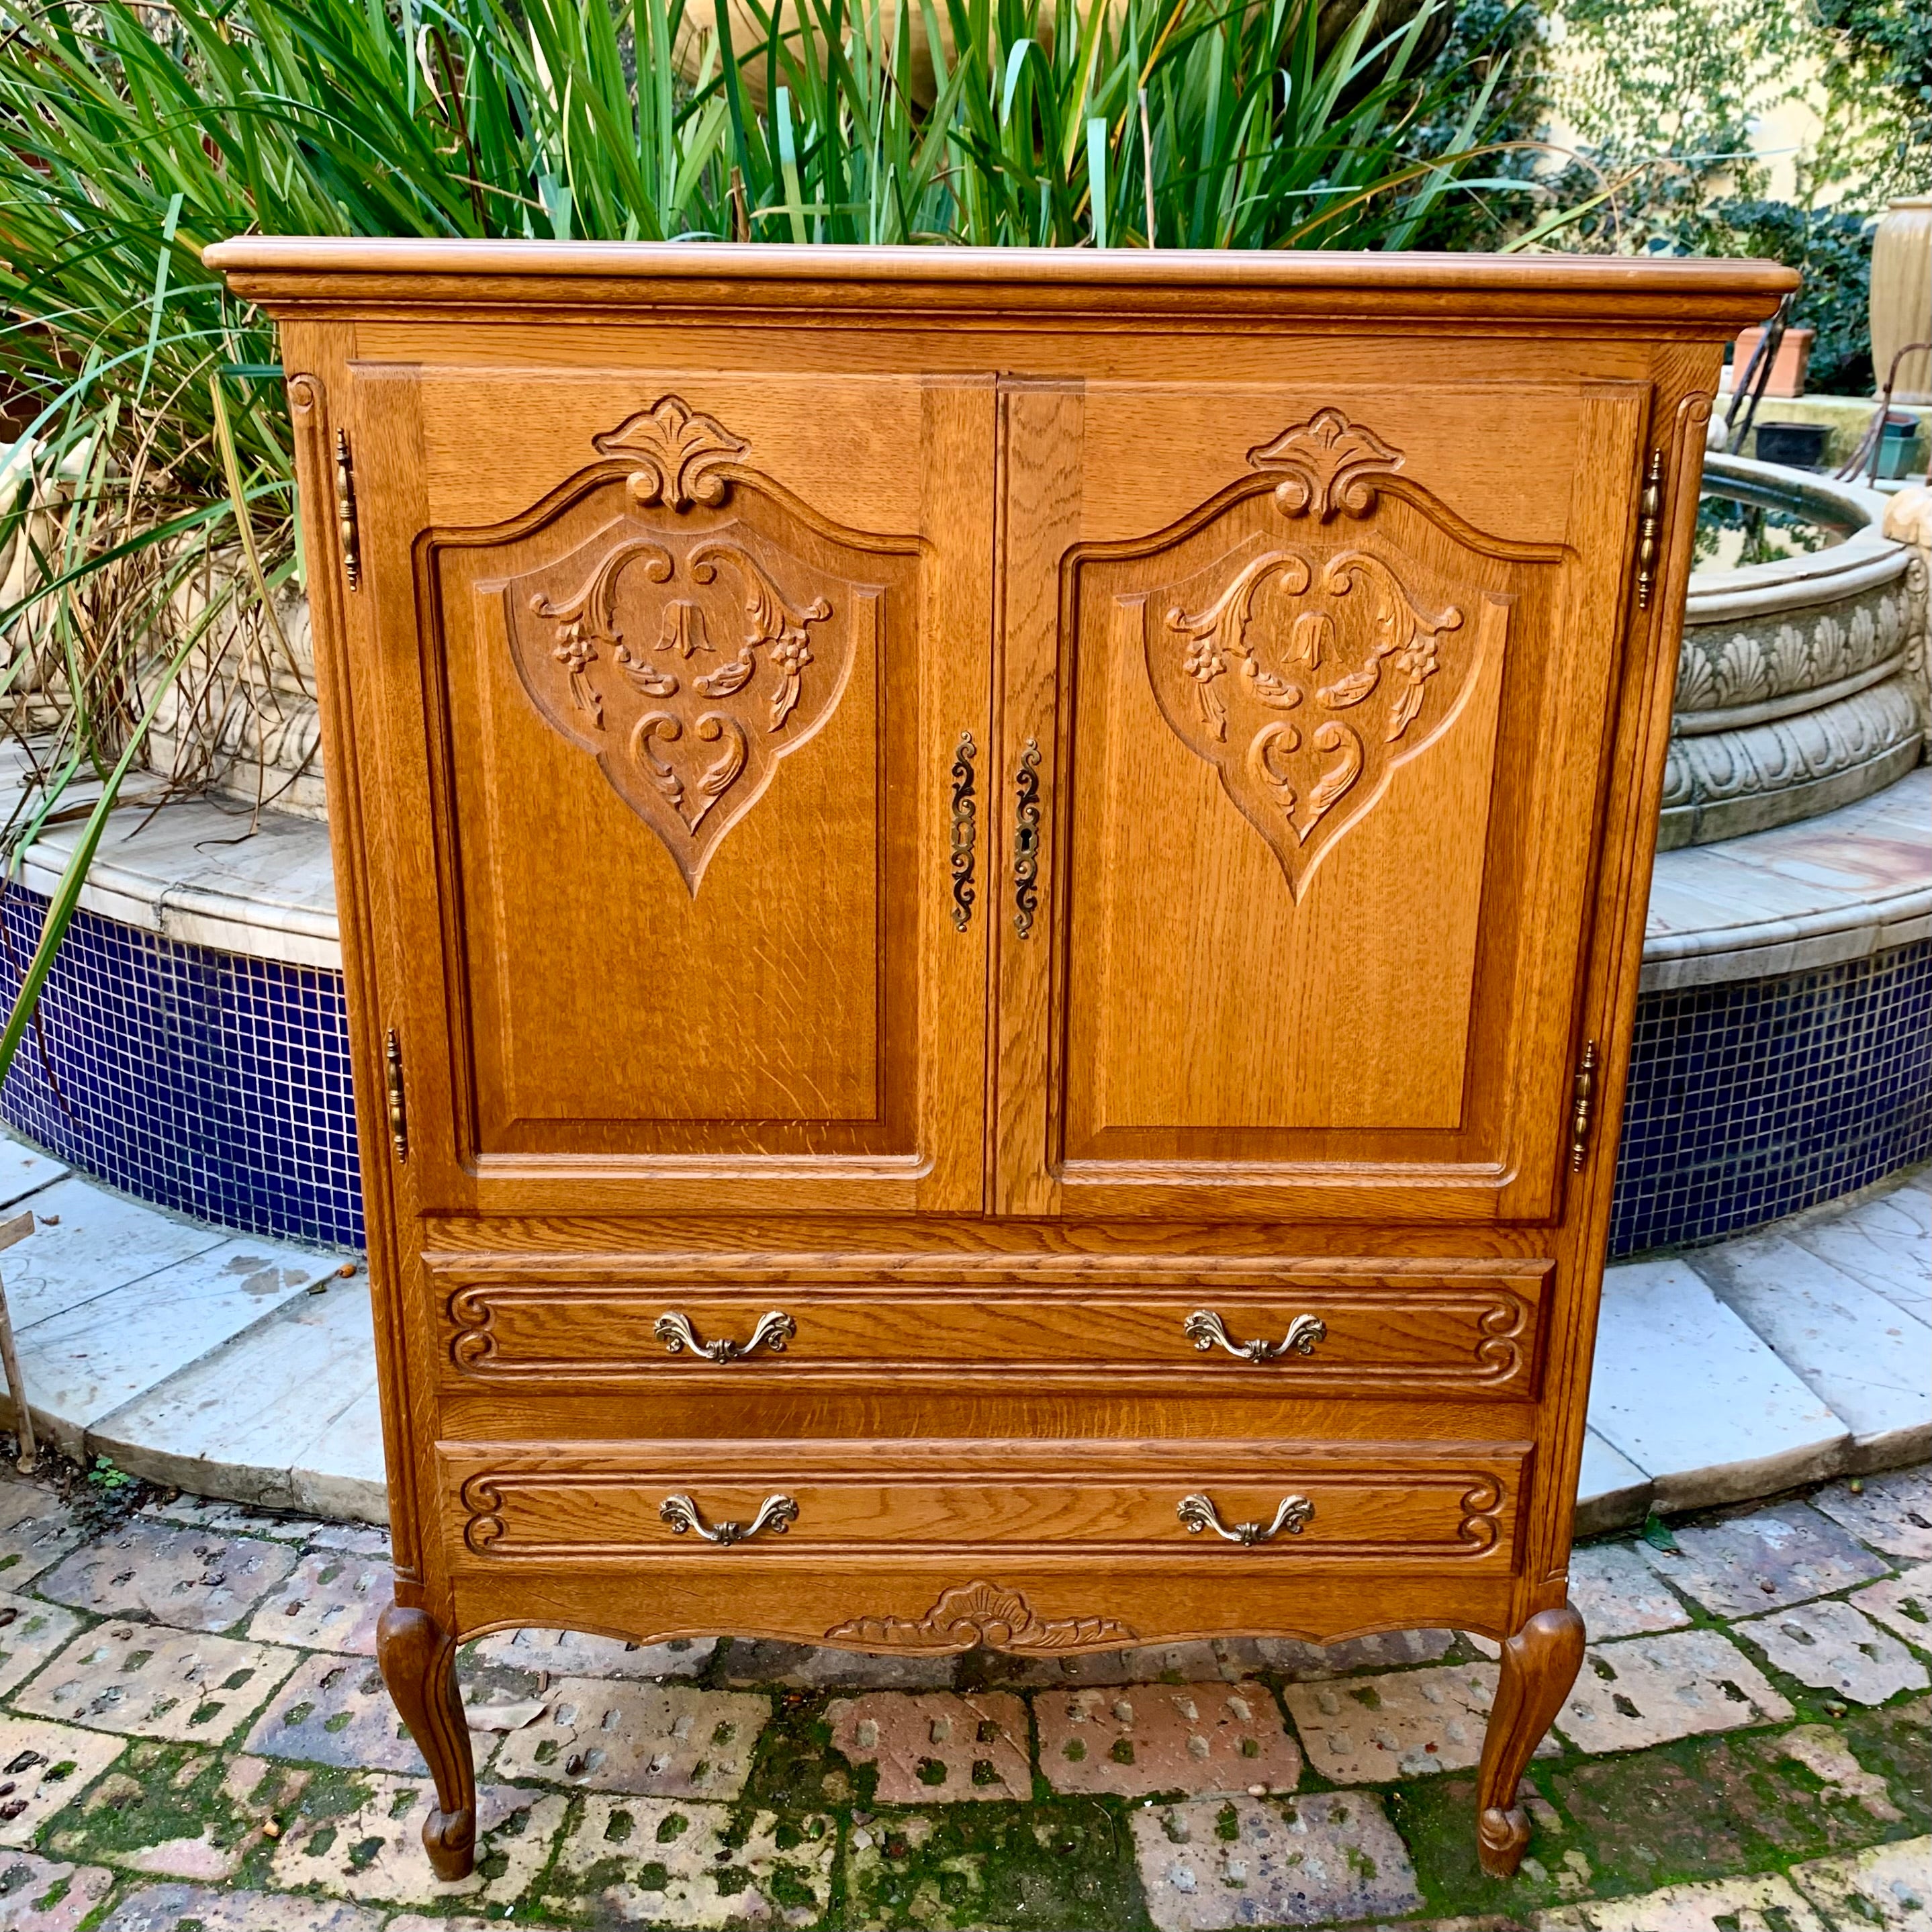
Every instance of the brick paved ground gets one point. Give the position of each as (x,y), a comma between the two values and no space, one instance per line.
(193,1738)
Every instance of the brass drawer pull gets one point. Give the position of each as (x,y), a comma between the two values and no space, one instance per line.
(773,1331)
(776,1513)
(1198,1513)
(1026,839)
(1205,1329)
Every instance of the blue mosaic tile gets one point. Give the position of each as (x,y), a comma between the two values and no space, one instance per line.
(205,1082)
(219,1085)
(1751,1101)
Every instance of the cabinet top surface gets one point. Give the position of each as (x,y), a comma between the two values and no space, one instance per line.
(293,273)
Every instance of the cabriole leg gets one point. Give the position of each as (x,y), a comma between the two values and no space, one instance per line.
(417,1658)
(1540,1664)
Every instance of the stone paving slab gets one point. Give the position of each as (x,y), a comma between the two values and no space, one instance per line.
(1388,1650)
(1893,1513)
(42,1765)
(1903,1604)
(84,1363)
(26,1170)
(37,1530)
(1611,1492)
(1648,1690)
(1832,1646)
(1882,1243)
(1618,1594)
(194,1908)
(1865,1357)
(333,1710)
(1229,1658)
(1769,1904)
(1331,1857)
(1888,1886)
(936,1744)
(150,1682)
(1770,1558)
(240,1421)
(44,1895)
(86,1243)
(1692,1397)
(374,1853)
(330,1600)
(569,1653)
(191,1579)
(30,1632)
(662,1860)
(1407,1724)
(1196,1738)
(667,1740)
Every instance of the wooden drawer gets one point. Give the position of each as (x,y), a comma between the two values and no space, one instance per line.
(1330,1331)
(800,1503)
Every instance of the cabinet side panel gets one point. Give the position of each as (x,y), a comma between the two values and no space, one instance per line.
(314,354)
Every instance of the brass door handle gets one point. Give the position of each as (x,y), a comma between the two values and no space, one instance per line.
(1291,1516)
(1205,1329)
(675,1331)
(965,830)
(776,1513)
(1026,839)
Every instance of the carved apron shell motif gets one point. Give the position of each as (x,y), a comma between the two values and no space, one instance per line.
(688,652)
(1303,670)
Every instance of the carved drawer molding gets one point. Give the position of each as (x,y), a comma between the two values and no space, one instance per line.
(982,1615)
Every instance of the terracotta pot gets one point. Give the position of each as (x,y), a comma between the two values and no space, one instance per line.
(1787,367)
(1901,297)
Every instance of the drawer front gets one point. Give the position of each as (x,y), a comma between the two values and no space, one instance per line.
(1329,1333)
(802,1503)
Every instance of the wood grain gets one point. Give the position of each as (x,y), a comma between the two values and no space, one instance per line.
(1298,588)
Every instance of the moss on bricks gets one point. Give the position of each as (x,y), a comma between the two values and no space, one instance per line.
(1066,1866)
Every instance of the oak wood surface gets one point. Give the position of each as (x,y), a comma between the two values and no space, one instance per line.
(719,614)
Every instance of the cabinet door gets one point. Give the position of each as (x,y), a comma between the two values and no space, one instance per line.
(1316,687)
(680,680)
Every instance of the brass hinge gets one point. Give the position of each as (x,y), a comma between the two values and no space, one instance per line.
(1650,523)
(1583,1104)
(345,510)
(399,1118)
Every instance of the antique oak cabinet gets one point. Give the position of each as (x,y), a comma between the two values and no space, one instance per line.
(992,905)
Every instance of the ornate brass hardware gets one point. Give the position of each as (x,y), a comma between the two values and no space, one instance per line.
(392,1075)
(345,510)
(965,829)
(773,1331)
(1583,1104)
(776,1513)
(1650,523)
(1205,1329)
(1291,1516)
(1026,839)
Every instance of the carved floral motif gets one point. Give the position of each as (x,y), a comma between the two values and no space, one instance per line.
(981,1613)
(683,651)
(1304,669)
(680,454)
(1331,464)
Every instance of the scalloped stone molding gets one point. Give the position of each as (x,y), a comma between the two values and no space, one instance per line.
(1801,683)
(1722,785)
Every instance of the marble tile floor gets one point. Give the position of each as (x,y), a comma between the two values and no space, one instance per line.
(193,1738)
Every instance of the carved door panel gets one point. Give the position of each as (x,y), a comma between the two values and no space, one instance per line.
(1318,685)
(684,695)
